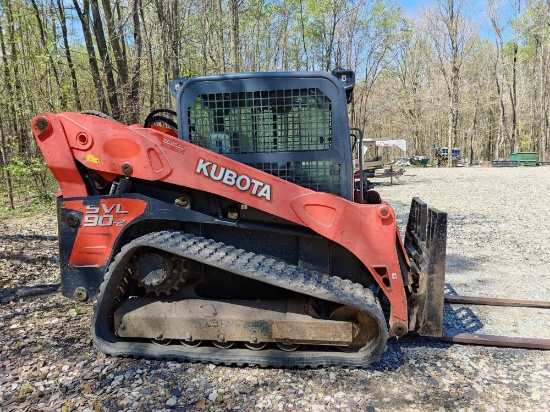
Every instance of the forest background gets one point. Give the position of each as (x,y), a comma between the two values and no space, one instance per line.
(466,74)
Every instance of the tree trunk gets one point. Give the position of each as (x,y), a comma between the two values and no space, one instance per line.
(203,41)
(53,66)
(503,126)
(544,126)
(513,101)
(219,29)
(5,161)
(175,40)
(532,99)
(304,44)
(68,54)
(331,38)
(454,82)
(234,35)
(4,141)
(168,15)
(121,32)
(7,81)
(137,65)
(106,59)
(83,15)
(473,131)
(150,58)
(115,39)
(15,94)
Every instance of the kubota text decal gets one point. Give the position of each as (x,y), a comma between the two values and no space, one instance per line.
(232,178)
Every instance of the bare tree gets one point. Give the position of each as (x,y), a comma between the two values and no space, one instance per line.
(379,33)
(220,32)
(84,16)
(409,73)
(44,43)
(503,122)
(116,41)
(4,142)
(136,75)
(61,10)
(542,31)
(234,35)
(544,100)
(449,33)
(106,59)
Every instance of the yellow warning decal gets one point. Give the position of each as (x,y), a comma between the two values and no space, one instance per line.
(92,159)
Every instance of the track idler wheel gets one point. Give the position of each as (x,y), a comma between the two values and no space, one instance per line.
(365,329)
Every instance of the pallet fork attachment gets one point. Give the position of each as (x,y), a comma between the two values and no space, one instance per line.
(495,340)
(425,243)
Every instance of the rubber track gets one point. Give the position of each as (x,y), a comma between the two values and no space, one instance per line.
(252,266)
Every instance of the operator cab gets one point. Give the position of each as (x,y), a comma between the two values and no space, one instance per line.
(293,125)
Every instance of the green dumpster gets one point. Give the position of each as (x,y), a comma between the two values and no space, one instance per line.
(525,158)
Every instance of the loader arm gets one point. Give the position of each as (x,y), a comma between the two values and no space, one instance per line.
(114,150)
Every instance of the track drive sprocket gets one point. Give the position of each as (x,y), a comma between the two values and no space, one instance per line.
(158,272)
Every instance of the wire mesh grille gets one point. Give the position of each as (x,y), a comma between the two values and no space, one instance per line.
(273,121)
(321,176)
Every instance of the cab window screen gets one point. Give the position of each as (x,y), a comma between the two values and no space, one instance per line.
(293,120)
(321,176)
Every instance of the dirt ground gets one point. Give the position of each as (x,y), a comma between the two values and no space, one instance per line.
(498,242)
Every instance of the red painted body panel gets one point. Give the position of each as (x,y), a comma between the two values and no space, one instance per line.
(368,231)
(59,157)
(99,230)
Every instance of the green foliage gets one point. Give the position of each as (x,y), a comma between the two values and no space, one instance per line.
(528,51)
(532,28)
(33,187)
(399,90)
(510,48)
(33,170)
(78,310)
(26,167)
(525,142)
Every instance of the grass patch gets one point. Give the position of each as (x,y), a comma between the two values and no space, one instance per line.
(31,208)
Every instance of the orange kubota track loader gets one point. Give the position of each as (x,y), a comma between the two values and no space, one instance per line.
(237,233)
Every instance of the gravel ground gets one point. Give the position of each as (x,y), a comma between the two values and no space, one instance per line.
(498,236)
(497,246)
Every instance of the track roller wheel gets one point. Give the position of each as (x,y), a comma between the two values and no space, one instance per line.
(162,342)
(222,345)
(365,329)
(255,346)
(287,347)
(191,343)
